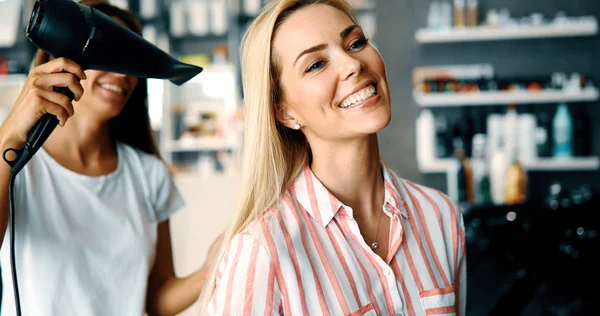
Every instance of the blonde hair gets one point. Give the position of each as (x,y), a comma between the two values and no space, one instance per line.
(273,155)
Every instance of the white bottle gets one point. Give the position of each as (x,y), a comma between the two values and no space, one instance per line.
(178,18)
(252,7)
(198,17)
(218,17)
(425,136)
(527,141)
(498,162)
(433,15)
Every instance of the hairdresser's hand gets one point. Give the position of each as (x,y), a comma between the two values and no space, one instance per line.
(37,98)
(211,256)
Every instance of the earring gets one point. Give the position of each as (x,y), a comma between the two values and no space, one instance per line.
(297,126)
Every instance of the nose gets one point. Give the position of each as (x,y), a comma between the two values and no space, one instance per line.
(349,66)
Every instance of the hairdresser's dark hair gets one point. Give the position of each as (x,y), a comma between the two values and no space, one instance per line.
(132,126)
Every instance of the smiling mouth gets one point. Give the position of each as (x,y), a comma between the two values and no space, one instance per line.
(359,97)
(114,88)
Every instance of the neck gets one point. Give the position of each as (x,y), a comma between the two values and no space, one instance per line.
(352,172)
(82,140)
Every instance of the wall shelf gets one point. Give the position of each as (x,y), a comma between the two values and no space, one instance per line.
(199,145)
(499,98)
(12,81)
(587,27)
(542,164)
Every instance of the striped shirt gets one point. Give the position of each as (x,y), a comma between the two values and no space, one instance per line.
(307,257)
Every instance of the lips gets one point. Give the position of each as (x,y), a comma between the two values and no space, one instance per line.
(359,96)
(114,88)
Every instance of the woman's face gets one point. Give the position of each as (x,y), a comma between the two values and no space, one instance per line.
(105,93)
(333,81)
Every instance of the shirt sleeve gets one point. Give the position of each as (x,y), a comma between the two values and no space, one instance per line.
(461,276)
(166,198)
(246,283)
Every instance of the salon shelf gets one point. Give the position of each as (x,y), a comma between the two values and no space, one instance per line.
(200,144)
(499,98)
(487,33)
(542,164)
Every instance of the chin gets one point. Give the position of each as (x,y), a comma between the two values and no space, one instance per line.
(374,124)
(108,111)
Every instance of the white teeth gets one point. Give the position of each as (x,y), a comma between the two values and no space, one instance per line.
(112,87)
(358,97)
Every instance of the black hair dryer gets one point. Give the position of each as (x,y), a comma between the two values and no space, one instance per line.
(94,40)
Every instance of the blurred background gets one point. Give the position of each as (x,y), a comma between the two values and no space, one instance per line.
(494,103)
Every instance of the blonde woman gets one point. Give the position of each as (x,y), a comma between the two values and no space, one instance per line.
(324,227)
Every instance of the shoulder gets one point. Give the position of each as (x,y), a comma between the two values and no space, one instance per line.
(149,164)
(272,227)
(143,158)
(428,202)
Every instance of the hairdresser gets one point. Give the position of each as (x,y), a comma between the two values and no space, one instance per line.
(93,205)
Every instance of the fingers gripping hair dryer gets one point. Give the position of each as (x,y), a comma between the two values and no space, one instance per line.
(94,40)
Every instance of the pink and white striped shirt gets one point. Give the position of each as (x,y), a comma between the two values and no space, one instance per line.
(307,257)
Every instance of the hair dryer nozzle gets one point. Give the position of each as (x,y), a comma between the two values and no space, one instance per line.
(94,40)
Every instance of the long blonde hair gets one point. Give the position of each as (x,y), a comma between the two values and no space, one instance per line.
(273,155)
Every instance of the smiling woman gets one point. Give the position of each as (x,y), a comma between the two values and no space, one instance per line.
(323,226)
(93,206)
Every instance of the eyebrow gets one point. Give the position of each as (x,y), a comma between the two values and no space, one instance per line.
(343,34)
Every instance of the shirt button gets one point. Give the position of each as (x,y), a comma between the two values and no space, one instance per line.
(386,272)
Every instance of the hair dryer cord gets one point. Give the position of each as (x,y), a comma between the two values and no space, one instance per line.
(11,201)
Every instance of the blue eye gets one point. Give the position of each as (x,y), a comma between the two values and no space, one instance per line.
(359,44)
(316,66)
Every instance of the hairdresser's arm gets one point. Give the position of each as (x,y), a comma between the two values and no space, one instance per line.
(167,294)
(35,100)
(4,177)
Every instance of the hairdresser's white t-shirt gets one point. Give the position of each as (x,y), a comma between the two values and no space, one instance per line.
(85,245)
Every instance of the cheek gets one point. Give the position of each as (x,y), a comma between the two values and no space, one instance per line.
(317,92)
(133,82)
(379,64)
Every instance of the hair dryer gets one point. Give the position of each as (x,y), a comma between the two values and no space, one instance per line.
(94,40)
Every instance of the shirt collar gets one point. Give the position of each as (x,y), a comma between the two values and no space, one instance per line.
(322,205)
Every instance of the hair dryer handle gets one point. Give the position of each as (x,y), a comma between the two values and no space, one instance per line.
(36,137)
(44,127)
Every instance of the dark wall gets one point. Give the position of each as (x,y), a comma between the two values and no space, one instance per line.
(397,21)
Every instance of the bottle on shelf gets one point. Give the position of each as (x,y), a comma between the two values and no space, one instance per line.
(515,182)
(526,142)
(479,163)
(459,176)
(543,133)
(497,158)
(472,12)
(467,126)
(581,132)
(443,138)
(426,138)
(459,13)
(562,125)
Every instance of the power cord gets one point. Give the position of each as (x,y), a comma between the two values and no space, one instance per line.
(36,137)
(11,201)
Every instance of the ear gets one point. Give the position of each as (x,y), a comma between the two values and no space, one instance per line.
(285,116)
